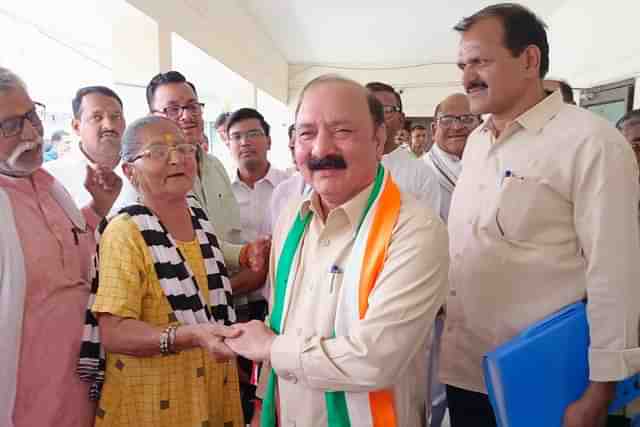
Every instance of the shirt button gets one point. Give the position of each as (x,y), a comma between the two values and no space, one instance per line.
(325,242)
(452,292)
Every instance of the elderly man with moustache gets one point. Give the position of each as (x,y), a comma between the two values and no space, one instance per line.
(453,122)
(45,258)
(358,271)
(544,214)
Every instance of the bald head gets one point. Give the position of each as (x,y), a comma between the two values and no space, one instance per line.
(453,123)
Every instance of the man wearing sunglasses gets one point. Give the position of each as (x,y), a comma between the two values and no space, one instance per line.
(45,259)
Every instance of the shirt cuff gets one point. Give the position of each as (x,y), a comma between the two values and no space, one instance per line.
(91,217)
(286,357)
(613,365)
(231,253)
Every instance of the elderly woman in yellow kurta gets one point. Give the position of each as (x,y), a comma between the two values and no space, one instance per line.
(162,296)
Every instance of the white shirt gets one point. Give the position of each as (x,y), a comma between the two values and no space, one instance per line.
(291,188)
(454,166)
(71,171)
(255,203)
(414,177)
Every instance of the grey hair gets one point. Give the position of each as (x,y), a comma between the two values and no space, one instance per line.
(131,143)
(375,107)
(10,80)
(632,117)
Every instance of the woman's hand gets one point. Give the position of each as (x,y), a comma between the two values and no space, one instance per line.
(210,337)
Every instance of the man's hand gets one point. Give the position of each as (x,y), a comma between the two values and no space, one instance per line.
(254,342)
(402,137)
(256,255)
(104,186)
(211,336)
(592,408)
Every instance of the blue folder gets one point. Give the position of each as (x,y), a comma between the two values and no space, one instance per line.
(532,378)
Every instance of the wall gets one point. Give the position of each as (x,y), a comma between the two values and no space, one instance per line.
(422,87)
(225,31)
(591,43)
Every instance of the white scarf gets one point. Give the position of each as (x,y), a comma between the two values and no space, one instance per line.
(447,166)
(12,293)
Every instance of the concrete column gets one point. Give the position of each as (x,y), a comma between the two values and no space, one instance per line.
(141,49)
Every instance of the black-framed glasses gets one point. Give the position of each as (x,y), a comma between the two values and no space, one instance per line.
(465,120)
(15,125)
(160,152)
(388,109)
(173,111)
(249,135)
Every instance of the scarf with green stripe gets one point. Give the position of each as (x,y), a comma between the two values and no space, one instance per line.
(372,237)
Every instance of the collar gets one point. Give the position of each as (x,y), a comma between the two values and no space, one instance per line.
(41,179)
(352,209)
(271,177)
(446,156)
(534,119)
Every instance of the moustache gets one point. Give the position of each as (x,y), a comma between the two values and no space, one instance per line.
(20,150)
(476,84)
(110,133)
(328,162)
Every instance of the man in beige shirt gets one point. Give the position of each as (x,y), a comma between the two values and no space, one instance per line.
(544,214)
(340,135)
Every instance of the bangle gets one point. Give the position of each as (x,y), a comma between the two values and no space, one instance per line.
(172,339)
(164,342)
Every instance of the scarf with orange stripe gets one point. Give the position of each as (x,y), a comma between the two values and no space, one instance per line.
(345,409)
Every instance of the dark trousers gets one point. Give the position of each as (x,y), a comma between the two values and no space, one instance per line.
(469,409)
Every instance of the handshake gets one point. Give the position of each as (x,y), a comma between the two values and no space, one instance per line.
(250,340)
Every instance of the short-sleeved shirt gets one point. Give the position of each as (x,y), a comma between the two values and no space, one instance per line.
(184,389)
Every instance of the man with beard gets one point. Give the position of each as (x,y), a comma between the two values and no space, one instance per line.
(45,259)
(359,271)
(544,215)
(411,174)
(99,122)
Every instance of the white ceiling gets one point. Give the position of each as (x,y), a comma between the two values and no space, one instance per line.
(370,32)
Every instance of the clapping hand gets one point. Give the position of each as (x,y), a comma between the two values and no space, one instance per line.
(257,255)
(104,186)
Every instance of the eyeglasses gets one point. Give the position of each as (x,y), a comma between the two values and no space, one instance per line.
(15,125)
(388,109)
(160,152)
(249,135)
(174,111)
(465,120)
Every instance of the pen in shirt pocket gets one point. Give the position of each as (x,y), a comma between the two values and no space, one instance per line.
(334,271)
(508,173)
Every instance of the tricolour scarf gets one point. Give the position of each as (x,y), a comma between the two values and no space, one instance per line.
(176,279)
(372,238)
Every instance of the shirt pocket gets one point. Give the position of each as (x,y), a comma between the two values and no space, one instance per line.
(528,209)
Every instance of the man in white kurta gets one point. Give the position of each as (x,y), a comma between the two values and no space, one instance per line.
(339,142)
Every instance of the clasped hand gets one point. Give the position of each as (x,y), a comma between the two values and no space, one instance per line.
(250,340)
